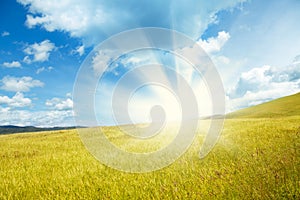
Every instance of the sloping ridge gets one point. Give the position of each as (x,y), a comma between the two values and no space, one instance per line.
(282,107)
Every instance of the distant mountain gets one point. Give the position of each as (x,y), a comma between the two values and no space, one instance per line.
(21,129)
(282,107)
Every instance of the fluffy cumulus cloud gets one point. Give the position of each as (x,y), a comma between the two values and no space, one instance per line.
(212,45)
(264,83)
(13,64)
(38,52)
(18,100)
(60,104)
(19,84)
(13,112)
(94,20)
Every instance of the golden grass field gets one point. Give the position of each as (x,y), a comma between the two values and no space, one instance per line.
(255,158)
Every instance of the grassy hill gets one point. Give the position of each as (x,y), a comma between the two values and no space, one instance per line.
(282,107)
(255,158)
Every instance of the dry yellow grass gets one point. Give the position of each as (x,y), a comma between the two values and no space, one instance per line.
(254,159)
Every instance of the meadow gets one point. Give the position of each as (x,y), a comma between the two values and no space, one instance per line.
(255,158)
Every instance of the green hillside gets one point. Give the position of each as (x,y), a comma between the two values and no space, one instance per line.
(282,107)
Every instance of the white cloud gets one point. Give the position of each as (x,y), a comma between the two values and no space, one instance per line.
(18,100)
(133,60)
(22,84)
(4,110)
(274,91)
(76,17)
(196,55)
(33,21)
(44,69)
(213,45)
(266,39)
(39,70)
(94,20)
(14,117)
(54,118)
(60,104)
(296,60)
(38,118)
(102,59)
(5,33)
(27,60)
(221,60)
(80,50)
(61,113)
(39,51)
(12,64)
(262,84)
(69,94)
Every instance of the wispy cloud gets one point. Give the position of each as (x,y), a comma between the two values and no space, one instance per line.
(5,33)
(44,69)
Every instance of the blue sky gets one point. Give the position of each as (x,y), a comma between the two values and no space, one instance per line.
(254,45)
